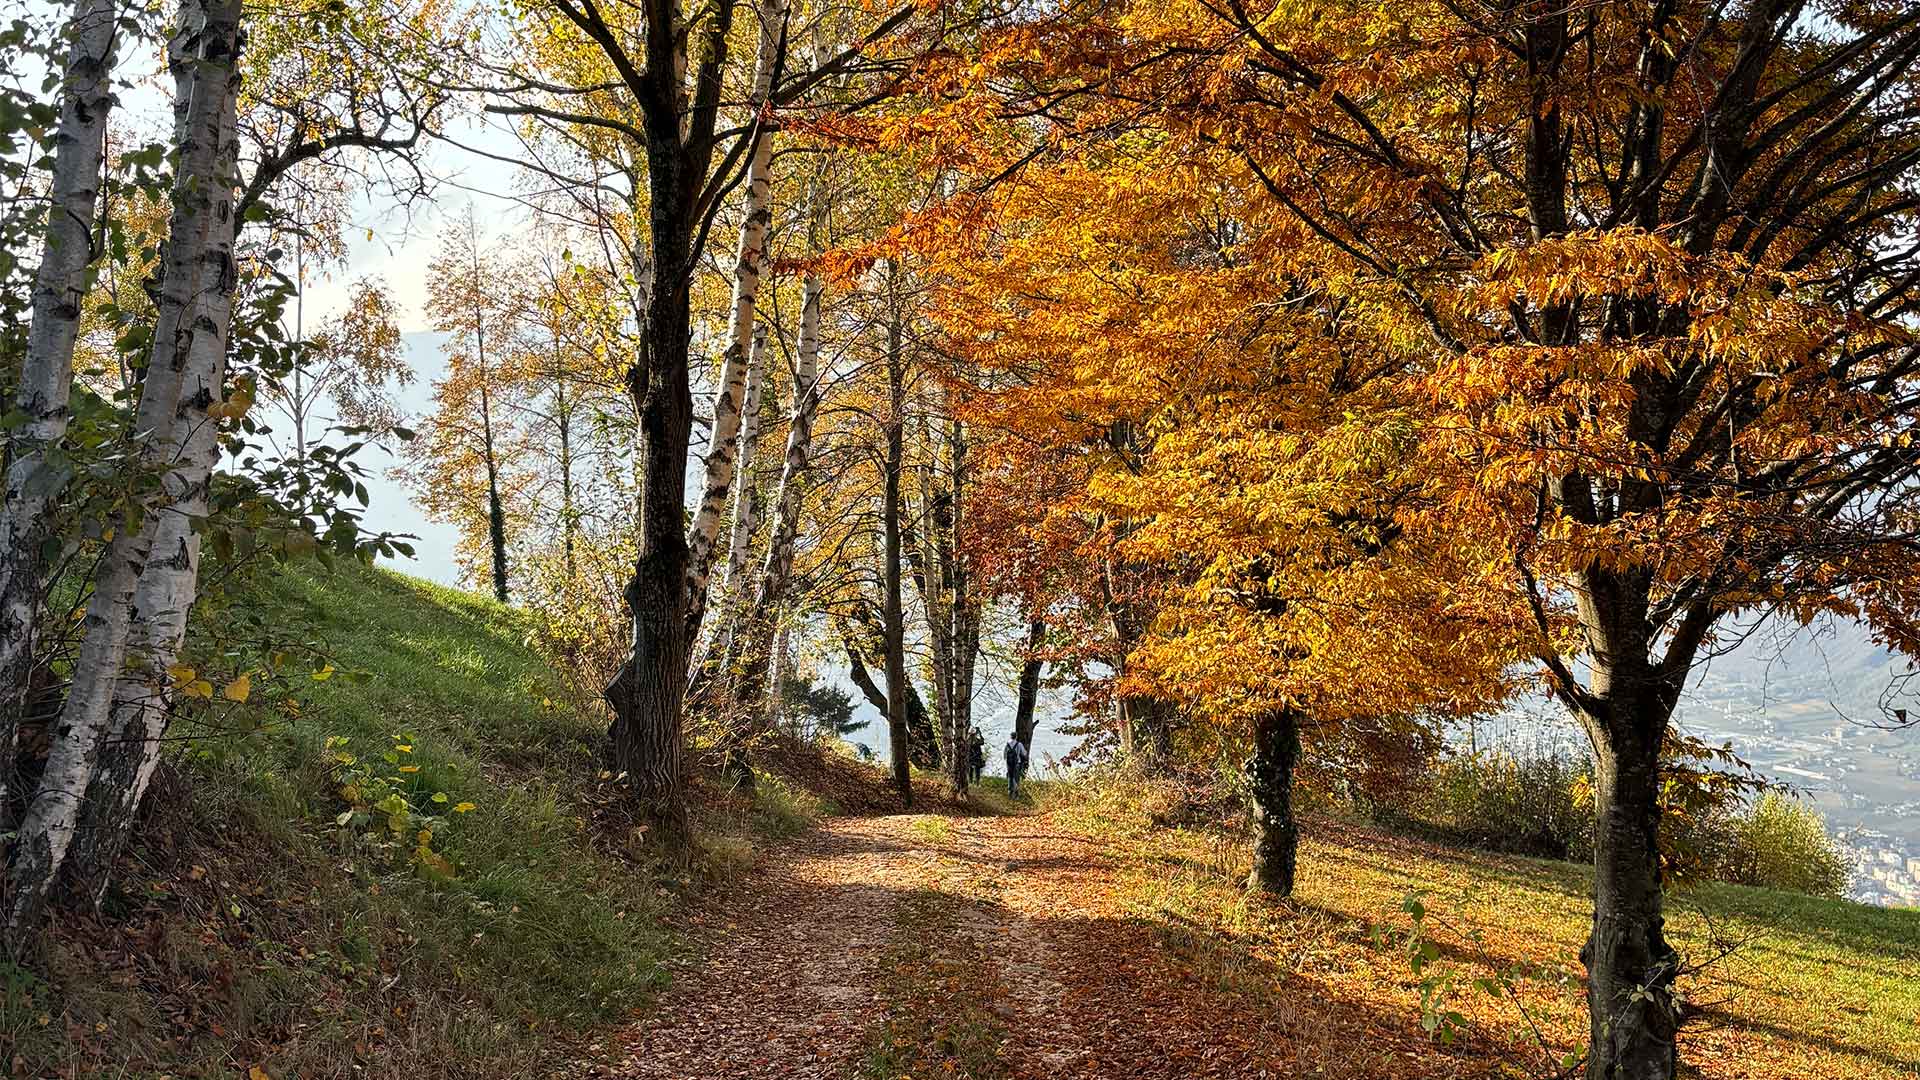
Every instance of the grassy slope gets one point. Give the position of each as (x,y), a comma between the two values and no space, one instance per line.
(250,929)
(1794,986)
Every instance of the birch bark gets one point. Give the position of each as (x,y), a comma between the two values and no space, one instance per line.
(169,580)
(746,503)
(778,565)
(753,644)
(727,412)
(38,472)
(181,383)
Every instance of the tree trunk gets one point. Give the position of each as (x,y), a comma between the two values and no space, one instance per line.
(496,513)
(1142,722)
(725,639)
(782,670)
(649,692)
(569,516)
(922,745)
(36,473)
(1630,966)
(168,585)
(648,695)
(930,573)
(728,414)
(746,496)
(496,520)
(162,601)
(952,624)
(1029,689)
(778,567)
(893,619)
(966,608)
(1276,837)
(752,642)
(180,385)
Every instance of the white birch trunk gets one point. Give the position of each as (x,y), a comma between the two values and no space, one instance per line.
(782,663)
(169,580)
(180,384)
(750,645)
(746,501)
(38,473)
(778,564)
(724,442)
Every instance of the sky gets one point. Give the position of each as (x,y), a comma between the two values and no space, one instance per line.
(394,244)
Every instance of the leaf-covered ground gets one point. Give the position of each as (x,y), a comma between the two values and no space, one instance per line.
(1055,945)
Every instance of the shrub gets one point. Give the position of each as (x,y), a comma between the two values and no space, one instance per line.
(1123,798)
(1781,843)
(1533,804)
(1712,826)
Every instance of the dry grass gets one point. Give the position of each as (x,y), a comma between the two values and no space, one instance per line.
(1783,985)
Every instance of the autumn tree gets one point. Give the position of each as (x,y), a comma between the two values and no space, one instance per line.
(353,361)
(462,464)
(1263,466)
(1659,260)
(661,80)
(1651,266)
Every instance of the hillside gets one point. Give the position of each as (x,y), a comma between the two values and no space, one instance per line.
(252,931)
(1079,942)
(249,929)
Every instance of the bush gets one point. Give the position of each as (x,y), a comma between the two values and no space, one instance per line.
(1535,804)
(1780,843)
(1541,805)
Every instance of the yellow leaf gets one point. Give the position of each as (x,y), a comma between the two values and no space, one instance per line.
(323,674)
(181,673)
(198,688)
(463,808)
(258,1073)
(238,689)
(409,768)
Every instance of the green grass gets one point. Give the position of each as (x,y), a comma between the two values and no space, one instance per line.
(251,928)
(990,795)
(934,830)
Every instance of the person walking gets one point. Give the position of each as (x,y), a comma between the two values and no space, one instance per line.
(977,754)
(1016,766)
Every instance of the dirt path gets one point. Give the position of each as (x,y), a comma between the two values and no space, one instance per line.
(1013,930)
(784,986)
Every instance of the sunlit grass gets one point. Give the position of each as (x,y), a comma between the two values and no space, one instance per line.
(1782,984)
(294,942)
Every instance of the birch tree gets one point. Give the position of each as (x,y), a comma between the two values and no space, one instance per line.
(761,627)
(153,553)
(738,367)
(36,472)
(746,495)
